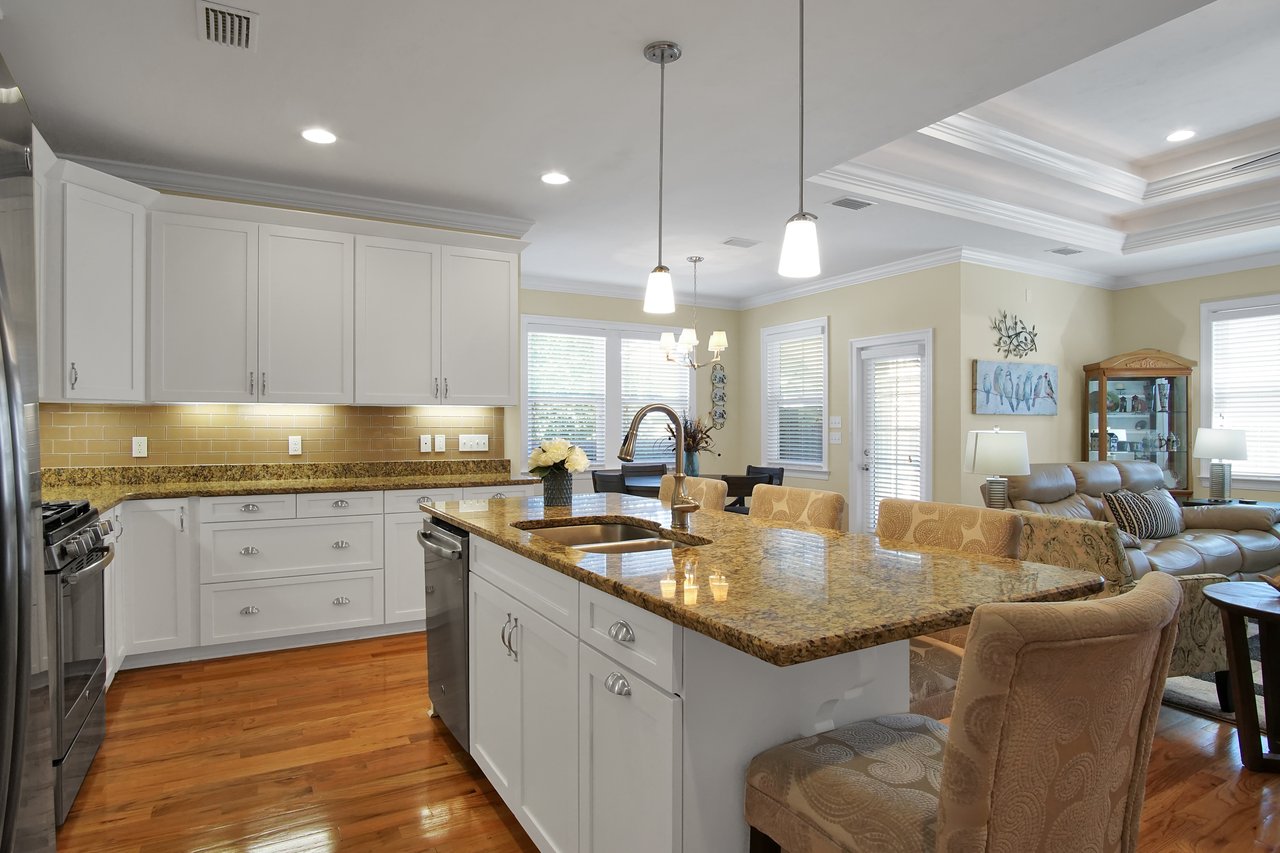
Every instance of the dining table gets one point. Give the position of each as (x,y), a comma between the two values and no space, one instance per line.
(647,485)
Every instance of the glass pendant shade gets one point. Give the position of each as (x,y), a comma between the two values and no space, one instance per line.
(667,342)
(719,342)
(659,294)
(799,258)
(688,339)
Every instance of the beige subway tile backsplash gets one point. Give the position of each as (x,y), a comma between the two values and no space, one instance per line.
(76,435)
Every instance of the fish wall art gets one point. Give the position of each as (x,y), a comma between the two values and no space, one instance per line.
(1014,388)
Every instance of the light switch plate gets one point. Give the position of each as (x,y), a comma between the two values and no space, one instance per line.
(424,444)
(473,442)
(295,445)
(836,438)
(439,444)
(139,446)
(836,422)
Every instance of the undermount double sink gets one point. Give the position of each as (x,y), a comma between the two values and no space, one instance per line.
(612,537)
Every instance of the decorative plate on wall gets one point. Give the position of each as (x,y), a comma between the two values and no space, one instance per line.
(719,395)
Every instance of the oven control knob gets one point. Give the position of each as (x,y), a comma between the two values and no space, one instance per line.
(76,547)
(91,537)
(105,528)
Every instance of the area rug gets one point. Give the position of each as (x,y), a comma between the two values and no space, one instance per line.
(1199,695)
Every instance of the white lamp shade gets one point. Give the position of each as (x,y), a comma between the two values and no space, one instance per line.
(688,339)
(659,294)
(996,452)
(667,341)
(799,258)
(719,342)
(1220,444)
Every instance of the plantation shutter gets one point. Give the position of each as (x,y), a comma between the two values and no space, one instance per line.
(795,398)
(565,394)
(893,407)
(1245,392)
(647,377)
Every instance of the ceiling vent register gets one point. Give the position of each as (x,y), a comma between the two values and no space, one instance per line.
(226,25)
(1064,250)
(741,242)
(851,203)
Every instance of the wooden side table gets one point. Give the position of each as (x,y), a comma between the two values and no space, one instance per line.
(1255,599)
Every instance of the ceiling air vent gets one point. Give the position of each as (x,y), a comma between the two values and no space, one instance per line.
(741,242)
(851,203)
(226,25)
(1064,250)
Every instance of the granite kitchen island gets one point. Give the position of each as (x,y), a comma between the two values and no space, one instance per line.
(616,698)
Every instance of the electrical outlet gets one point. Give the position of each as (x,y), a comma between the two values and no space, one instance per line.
(295,445)
(424,444)
(835,422)
(439,444)
(836,438)
(473,442)
(139,446)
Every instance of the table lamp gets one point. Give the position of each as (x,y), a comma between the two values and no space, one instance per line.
(995,453)
(1219,444)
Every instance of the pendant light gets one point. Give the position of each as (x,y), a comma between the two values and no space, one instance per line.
(659,294)
(799,258)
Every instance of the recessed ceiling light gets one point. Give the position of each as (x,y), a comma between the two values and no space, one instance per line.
(318,135)
(555,178)
(1180,136)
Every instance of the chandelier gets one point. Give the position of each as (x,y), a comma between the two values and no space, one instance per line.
(684,350)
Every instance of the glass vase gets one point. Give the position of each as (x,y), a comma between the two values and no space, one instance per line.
(557,488)
(691,463)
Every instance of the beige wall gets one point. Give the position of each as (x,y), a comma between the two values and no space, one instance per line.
(1167,316)
(728,440)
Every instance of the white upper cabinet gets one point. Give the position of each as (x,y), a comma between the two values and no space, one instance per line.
(306,300)
(479,337)
(103,297)
(397,316)
(204,309)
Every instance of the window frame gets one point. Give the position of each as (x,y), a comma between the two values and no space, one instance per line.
(1209,312)
(818,327)
(613,333)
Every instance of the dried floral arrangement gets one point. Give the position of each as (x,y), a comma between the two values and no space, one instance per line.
(697,435)
(1013,336)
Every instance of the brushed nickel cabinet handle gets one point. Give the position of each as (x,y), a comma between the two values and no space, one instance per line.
(74,376)
(511,635)
(249,611)
(617,684)
(622,632)
(340,504)
(250,508)
(249,551)
(446,387)
(341,545)
(341,601)
(264,383)
(503,635)
(436,393)
(250,383)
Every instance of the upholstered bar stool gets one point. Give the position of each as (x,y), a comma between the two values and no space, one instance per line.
(708,492)
(810,507)
(1041,754)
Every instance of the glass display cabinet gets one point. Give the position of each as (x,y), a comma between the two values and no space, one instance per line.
(1138,406)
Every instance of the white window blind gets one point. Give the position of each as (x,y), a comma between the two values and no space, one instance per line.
(795,395)
(647,377)
(565,391)
(893,407)
(1244,392)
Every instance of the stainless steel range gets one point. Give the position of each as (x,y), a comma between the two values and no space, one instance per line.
(78,547)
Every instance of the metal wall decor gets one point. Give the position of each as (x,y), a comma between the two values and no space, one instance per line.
(1013,337)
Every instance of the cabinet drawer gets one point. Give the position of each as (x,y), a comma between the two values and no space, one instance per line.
(549,593)
(275,608)
(248,508)
(636,638)
(329,504)
(305,546)
(485,492)
(407,500)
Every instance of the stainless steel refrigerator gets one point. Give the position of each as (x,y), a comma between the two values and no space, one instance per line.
(26,750)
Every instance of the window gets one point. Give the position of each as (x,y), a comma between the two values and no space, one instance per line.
(1240,360)
(794,395)
(585,380)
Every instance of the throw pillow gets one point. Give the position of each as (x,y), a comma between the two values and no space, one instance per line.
(1146,516)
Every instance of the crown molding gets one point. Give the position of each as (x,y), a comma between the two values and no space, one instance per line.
(265,192)
(1234,222)
(1228,174)
(1252,262)
(615,291)
(863,276)
(1043,269)
(985,137)
(891,186)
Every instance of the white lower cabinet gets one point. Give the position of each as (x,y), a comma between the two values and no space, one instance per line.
(246,550)
(159,584)
(254,610)
(403,579)
(495,689)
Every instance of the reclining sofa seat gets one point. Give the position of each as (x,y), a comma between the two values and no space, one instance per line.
(1241,542)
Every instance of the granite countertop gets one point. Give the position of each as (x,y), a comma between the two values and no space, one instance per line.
(103,487)
(789,594)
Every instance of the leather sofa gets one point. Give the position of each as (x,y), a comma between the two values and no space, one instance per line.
(1239,541)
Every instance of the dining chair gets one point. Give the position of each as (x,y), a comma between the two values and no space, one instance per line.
(810,507)
(740,487)
(710,493)
(608,481)
(643,469)
(774,473)
(1042,753)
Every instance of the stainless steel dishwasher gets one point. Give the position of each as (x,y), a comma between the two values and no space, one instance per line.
(448,561)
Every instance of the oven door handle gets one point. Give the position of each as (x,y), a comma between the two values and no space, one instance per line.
(93,568)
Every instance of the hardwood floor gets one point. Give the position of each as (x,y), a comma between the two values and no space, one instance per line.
(330,749)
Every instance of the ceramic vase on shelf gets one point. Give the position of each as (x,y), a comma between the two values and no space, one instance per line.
(691,463)
(557,488)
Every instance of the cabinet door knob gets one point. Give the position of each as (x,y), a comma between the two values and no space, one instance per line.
(617,684)
(340,504)
(341,601)
(341,545)
(622,632)
(249,551)
(250,508)
(249,611)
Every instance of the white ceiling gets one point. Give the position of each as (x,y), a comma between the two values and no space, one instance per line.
(463,105)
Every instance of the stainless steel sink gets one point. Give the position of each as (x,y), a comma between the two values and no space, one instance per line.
(613,538)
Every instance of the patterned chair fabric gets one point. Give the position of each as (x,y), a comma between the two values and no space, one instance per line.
(710,493)
(809,507)
(1041,755)
(952,526)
